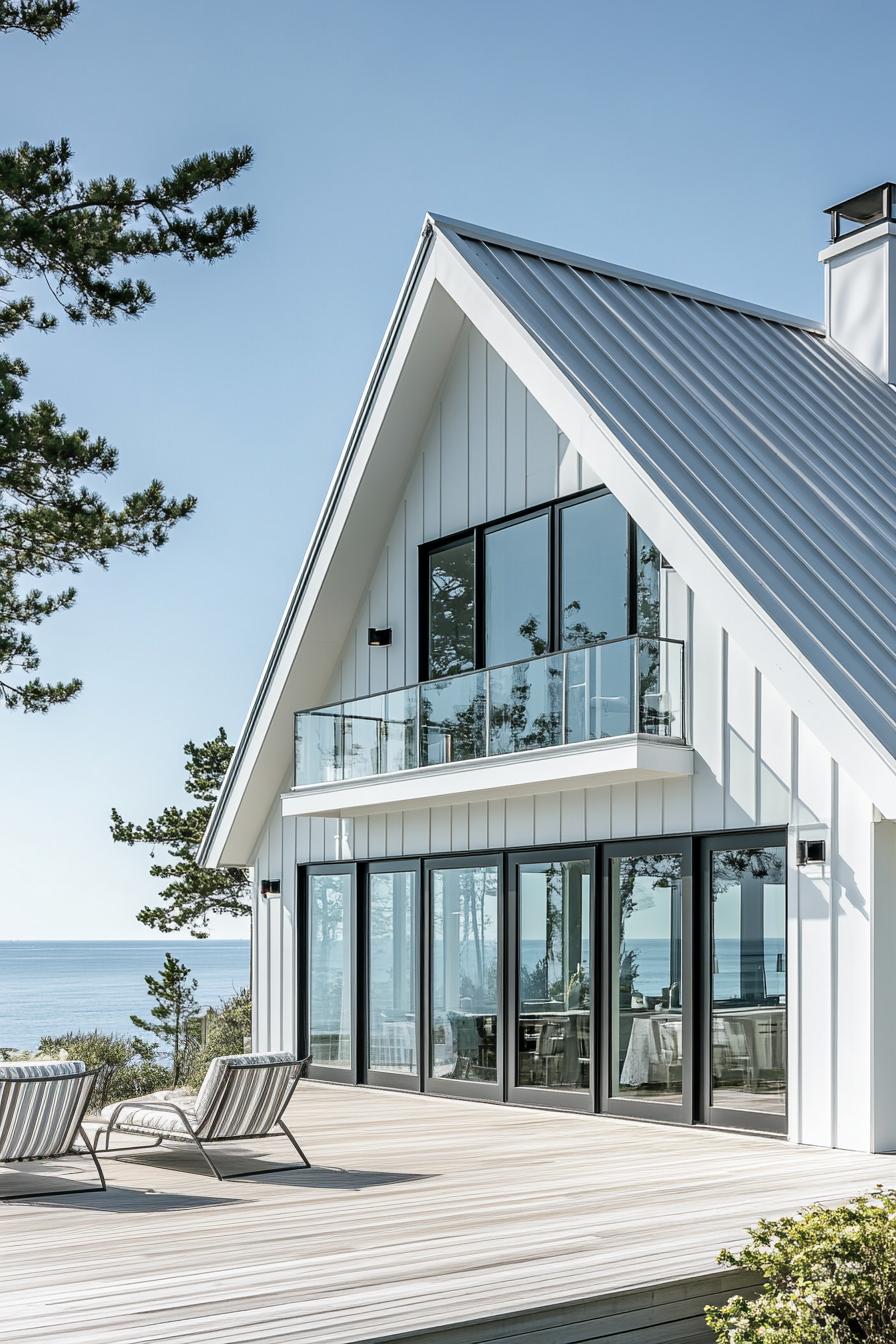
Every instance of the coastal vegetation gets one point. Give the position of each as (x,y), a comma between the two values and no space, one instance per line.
(228,1028)
(75,240)
(174,1017)
(828,1277)
(130,1066)
(191,894)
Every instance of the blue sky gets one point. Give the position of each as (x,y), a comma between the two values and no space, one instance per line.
(696,140)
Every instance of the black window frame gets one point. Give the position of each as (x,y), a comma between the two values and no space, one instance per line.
(332,1073)
(553,509)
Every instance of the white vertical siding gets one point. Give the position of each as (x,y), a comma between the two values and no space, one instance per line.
(488,449)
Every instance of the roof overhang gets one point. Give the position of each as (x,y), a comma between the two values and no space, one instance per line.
(441,288)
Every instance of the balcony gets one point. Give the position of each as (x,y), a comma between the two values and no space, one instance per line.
(578,704)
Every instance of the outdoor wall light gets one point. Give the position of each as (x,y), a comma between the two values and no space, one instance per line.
(810,851)
(270,886)
(379,639)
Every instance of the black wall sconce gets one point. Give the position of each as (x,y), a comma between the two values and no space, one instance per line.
(270,886)
(379,639)
(810,851)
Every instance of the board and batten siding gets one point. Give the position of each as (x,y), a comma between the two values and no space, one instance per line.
(490,449)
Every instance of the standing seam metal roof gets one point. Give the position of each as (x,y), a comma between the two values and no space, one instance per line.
(774,443)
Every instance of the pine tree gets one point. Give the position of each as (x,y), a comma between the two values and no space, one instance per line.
(175,1014)
(192,893)
(75,240)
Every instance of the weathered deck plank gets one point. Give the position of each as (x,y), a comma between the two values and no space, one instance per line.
(422,1216)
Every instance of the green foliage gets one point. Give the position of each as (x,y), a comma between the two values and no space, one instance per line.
(129,1064)
(192,893)
(76,240)
(43,19)
(829,1277)
(228,1027)
(174,1016)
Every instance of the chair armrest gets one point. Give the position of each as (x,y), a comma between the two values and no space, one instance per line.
(148,1106)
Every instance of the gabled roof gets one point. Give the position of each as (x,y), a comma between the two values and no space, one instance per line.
(769,444)
(776,444)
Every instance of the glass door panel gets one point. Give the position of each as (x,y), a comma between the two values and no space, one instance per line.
(648,1068)
(331,977)
(550,1042)
(747,1030)
(392,977)
(465,1051)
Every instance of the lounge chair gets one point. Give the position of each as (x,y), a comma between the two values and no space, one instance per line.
(42,1108)
(242,1097)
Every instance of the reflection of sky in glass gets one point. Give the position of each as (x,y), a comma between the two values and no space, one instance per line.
(516,590)
(595,570)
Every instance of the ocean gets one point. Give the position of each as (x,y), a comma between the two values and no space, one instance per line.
(48,988)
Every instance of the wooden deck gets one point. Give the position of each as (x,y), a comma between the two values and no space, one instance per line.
(422,1218)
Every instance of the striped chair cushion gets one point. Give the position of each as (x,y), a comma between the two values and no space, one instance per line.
(41,1106)
(139,1118)
(39,1068)
(236,1101)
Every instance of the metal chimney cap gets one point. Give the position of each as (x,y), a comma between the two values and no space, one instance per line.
(868,208)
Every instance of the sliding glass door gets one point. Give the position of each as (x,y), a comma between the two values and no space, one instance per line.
(464,977)
(648,1057)
(393,938)
(330,1005)
(745,1012)
(550,1008)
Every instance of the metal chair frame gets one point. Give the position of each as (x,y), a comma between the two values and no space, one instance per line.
(193,1134)
(89,1150)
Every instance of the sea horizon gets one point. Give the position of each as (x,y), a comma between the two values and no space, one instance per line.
(53,986)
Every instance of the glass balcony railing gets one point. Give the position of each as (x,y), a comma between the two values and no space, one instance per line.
(611,689)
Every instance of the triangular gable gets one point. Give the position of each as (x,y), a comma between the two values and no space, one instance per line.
(651,382)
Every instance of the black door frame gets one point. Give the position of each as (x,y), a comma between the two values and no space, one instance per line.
(683,1112)
(583,1099)
(722,1116)
(331,1073)
(407,1082)
(463,1087)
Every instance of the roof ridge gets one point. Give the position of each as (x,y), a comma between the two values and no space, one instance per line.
(579,260)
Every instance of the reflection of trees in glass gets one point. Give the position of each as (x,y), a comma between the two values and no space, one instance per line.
(665,870)
(731,865)
(577,633)
(461,730)
(479,982)
(511,711)
(653,718)
(451,609)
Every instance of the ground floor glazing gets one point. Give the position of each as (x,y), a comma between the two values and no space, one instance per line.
(644,978)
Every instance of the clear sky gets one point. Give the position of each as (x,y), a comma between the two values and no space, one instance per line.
(695,140)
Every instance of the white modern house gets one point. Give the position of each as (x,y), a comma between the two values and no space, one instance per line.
(570,780)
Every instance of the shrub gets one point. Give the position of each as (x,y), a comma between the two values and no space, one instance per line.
(227,1029)
(829,1277)
(130,1066)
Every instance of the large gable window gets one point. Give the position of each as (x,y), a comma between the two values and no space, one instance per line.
(568,574)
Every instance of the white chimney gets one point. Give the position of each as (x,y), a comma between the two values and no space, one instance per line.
(860,278)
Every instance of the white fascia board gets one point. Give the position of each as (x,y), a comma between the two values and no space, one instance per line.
(353,463)
(622,760)
(803,688)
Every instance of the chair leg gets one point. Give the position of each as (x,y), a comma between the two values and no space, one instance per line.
(201,1147)
(96,1162)
(78,1190)
(293,1140)
(264,1171)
